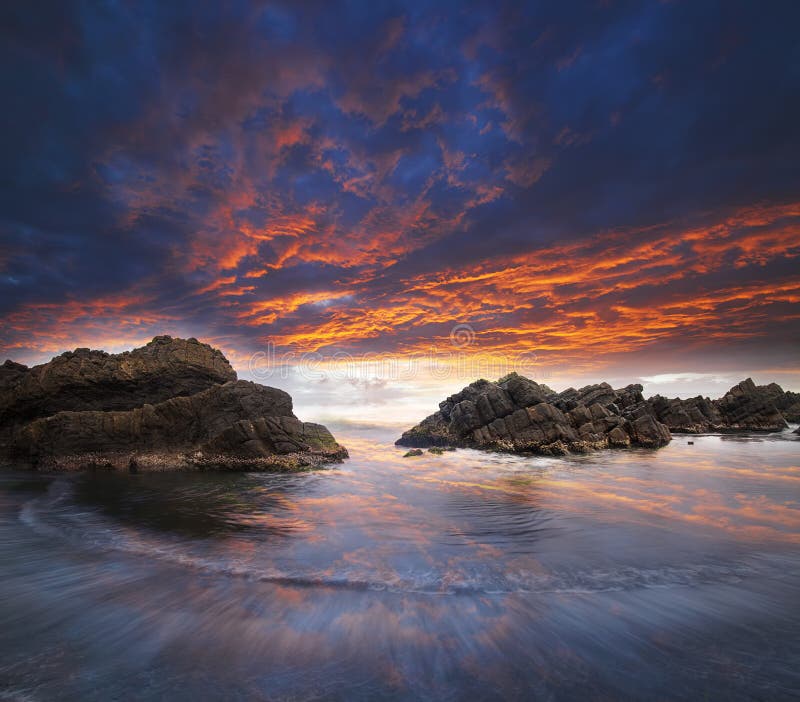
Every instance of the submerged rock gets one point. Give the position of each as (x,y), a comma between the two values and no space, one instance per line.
(173,404)
(520,415)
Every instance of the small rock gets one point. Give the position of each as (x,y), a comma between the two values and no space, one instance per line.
(412,452)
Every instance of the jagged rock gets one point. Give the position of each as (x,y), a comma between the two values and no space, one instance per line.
(95,380)
(629,395)
(649,432)
(748,407)
(745,407)
(602,394)
(117,415)
(517,414)
(786,401)
(694,415)
(524,392)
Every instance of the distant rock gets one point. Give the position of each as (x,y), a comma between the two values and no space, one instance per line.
(786,401)
(172,404)
(745,407)
(517,414)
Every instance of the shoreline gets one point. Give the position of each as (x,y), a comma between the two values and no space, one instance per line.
(195,462)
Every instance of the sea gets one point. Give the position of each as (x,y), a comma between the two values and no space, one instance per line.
(670,574)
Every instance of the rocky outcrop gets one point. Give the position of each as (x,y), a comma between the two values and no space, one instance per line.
(745,407)
(172,404)
(694,415)
(95,380)
(520,415)
(786,401)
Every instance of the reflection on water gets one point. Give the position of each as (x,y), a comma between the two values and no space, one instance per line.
(208,505)
(621,575)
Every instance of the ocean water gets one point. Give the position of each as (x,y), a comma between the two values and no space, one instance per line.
(623,575)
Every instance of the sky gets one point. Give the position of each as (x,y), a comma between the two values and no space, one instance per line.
(372,203)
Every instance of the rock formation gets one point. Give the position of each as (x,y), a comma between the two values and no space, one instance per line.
(520,415)
(786,401)
(745,407)
(172,404)
(95,380)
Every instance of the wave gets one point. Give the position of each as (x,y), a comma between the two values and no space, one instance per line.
(53,515)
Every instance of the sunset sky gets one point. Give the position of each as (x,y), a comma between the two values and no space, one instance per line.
(588,191)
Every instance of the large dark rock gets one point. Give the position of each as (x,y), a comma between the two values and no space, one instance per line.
(518,414)
(173,404)
(95,380)
(786,401)
(694,415)
(745,407)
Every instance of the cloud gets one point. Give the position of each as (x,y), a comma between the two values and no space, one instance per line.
(589,181)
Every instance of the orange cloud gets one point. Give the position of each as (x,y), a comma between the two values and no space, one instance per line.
(549,287)
(579,302)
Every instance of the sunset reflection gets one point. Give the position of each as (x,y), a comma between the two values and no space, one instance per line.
(417,574)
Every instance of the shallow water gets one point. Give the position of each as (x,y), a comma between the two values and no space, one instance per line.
(635,574)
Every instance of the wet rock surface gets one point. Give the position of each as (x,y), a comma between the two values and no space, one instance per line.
(517,414)
(172,404)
